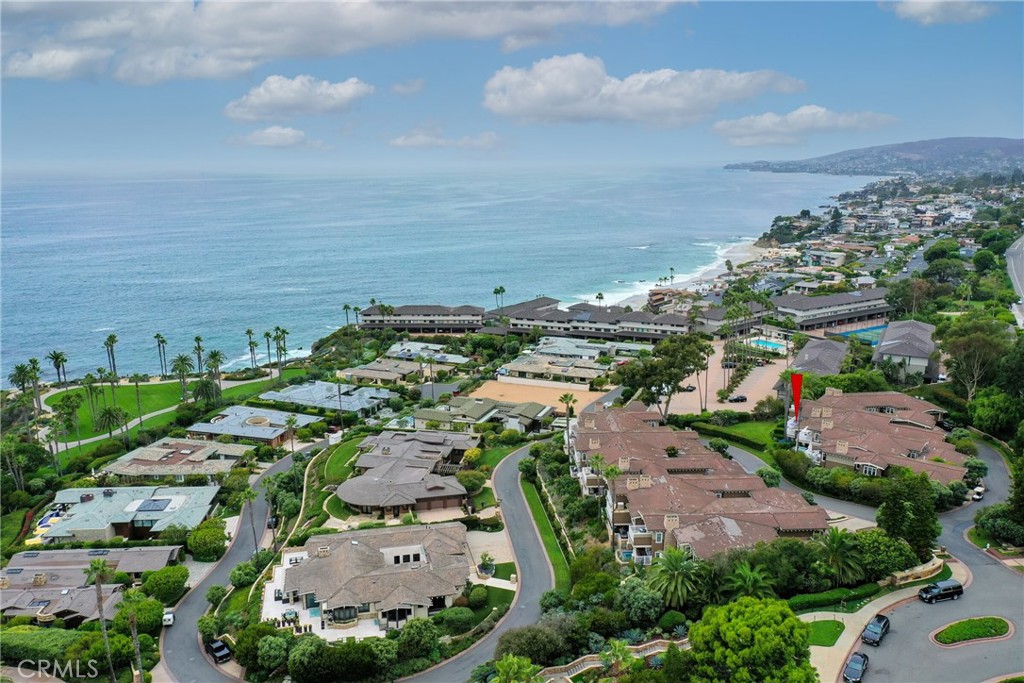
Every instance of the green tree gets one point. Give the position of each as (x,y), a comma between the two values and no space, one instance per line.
(882,555)
(975,344)
(248,497)
(272,653)
(167,584)
(198,350)
(207,391)
(310,660)
(418,638)
(248,640)
(137,379)
(750,641)
(99,573)
(59,359)
(842,555)
(215,594)
(770,476)
(539,643)
(291,423)
(252,345)
(747,581)
(996,412)
(182,367)
(109,419)
(513,669)
(109,344)
(642,604)
(908,512)
(568,400)
(208,542)
(676,576)
(984,261)
(215,359)
(720,446)
(210,626)
(161,350)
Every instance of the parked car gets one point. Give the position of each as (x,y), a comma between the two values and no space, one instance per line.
(945,425)
(738,399)
(875,631)
(688,388)
(219,651)
(941,590)
(855,667)
(271,522)
(168,618)
(333,429)
(729,364)
(978,495)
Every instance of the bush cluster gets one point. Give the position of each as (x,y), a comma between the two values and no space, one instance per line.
(831,597)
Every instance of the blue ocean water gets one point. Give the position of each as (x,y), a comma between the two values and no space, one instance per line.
(85,258)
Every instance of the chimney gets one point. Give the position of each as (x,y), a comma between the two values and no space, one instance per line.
(624,463)
(632,483)
(842,447)
(671,522)
(323,551)
(588,422)
(39,579)
(595,443)
(826,412)
(386,450)
(5,583)
(815,412)
(826,424)
(645,481)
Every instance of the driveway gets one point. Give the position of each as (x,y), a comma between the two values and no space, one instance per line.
(535,576)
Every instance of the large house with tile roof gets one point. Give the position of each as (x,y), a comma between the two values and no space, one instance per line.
(460,413)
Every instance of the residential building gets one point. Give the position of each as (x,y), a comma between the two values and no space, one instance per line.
(370,581)
(346,398)
(259,425)
(908,344)
(872,431)
(828,259)
(424,319)
(554,369)
(460,413)
(713,319)
(384,371)
(591,321)
(821,357)
(73,605)
(178,458)
(423,352)
(131,512)
(66,568)
(566,347)
(817,312)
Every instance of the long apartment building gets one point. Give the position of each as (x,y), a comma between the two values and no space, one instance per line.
(589,321)
(424,319)
(818,312)
(669,490)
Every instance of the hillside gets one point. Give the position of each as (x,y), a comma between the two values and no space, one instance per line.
(945,156)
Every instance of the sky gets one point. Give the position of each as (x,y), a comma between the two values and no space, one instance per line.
(253,87)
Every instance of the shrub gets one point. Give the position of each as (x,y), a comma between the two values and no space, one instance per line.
(167,584)
(719,445)
(209,627)
(472,480)
(832,597)
(794,465)
(882,555)
(770,476)
(456,620)
(418,638)
(215,594)
(973,629)
(208,542)
(148,617)
(670,620)
(243,574)
(478,597)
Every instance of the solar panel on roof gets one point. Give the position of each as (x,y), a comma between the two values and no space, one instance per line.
(102,551)
(14,570)
(154,505)
(31,554)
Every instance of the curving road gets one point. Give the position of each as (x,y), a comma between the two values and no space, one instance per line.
(1015,268)
(533,570)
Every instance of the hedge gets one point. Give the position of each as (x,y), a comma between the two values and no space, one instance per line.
(711,430)
(973,629)
(36,644)
(832,597)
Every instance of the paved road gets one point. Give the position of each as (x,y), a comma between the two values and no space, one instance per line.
(1015,267)
(181,654)
(916,262)
(534,571)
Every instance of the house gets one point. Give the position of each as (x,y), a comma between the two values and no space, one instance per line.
(384,371)
(821,357)
(668,490)
(567,347)
(423,319)
(713,319)
(864,282)
(828,259)
(872,431)
(807,286)
(66,568)
(404,471)
(553,369)
(178,458)
(908,344)
(369,581)
(817,312)
(346,398)
(591,321)
(267,427)
(461,412)
(73,605)
(131,512)
(423,352)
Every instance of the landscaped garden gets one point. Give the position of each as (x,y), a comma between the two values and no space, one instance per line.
(980,628)
(547,534)
(825,633)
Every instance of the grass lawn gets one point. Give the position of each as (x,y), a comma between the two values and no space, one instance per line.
(236,601)
(484,499)
(555,555)
(244,391)
(10,527)
(154,397)
(339,464)
(825,633)
(337,508)
(504,570)
(973,629)
(157,421)
(492,456)
(980,537)
(758,431)
(495,597)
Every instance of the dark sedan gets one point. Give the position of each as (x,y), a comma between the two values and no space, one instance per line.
(856,665)
(737,399)
(875,631)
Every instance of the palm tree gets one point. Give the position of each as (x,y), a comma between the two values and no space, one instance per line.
(497,293)
(568,400)
(749,581)
(129,604)
(291,423)
(69,404)
(676,576)
(249,333)
(249,496)
(35,374)
(20,377)
(671,275)
(346,308)
(268,336)
(101,377)
(214,359)
(207,391)
(356,310)
(842,555)
(109,344)
(109,419)
(514,669)
(198,350)
(98,572)
(618,658)
(89,384)
(600,298)
(161,349)
(181,366)
(137,379)
(59,359)
(253,345)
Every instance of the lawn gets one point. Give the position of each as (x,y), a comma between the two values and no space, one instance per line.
(555,555)
(339,464)
(337,508)
(758,431)
(495,597)
(10,527)
(492,456)
(504,570)
(825,633)
(980,538)
(244,391)
(157,421)
(235,602)
(484,499)
(973,629)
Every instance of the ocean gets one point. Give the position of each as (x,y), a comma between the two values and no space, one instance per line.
(85,258)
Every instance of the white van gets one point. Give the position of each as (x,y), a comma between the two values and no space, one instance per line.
(168,618)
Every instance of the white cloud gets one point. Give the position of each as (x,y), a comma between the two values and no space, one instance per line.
(929,12)
(432,139)
(409,87)
(275,136)
(278,96)
(788,129)
(56,64)
(156,41)
(577,88)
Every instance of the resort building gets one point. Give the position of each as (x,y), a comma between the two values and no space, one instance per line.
(553,369)
(425,353)
(671,491)
(364,583)
(908,344)
(872,431)
(384,371)
(462,412)
(566,347)
(589,321)
(267,427)
(131,512)
(178,458)
(712,319)
(831,310)
(404,471)
(346,398)
(424,319)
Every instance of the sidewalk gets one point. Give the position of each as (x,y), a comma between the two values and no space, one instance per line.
(829,661)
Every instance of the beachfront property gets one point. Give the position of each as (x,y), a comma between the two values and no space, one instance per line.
(425,353)
(364,583)
(131,512)
(712,319)
(399,472)
(872,431)
(363,401)
(258,425)
(566,347)
(828,259)
(589,321)
(177,458)
(384,371)
(831,310)
(460,413)
(908,344)
(549,369)
(424,319)
(672,491)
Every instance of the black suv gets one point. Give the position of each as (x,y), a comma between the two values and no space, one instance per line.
(219,651)
(875,630)
(855,667)
(942,590)
(738,399)
(272,522)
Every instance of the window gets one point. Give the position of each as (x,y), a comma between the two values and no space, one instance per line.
(39,603)
(415,557)
(406,558)
(15,570)
(142,523)
(398,560)
(363,608)
(658,537)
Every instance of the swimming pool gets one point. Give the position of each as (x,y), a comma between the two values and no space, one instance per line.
(770,345)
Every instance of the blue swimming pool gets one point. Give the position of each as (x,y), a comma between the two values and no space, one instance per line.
(770,345)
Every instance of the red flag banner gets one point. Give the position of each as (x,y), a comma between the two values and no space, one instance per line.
(797,382)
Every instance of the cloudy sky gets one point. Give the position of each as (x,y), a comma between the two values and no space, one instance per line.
(212,86)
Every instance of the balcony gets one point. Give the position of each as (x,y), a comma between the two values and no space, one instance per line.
(639,536)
